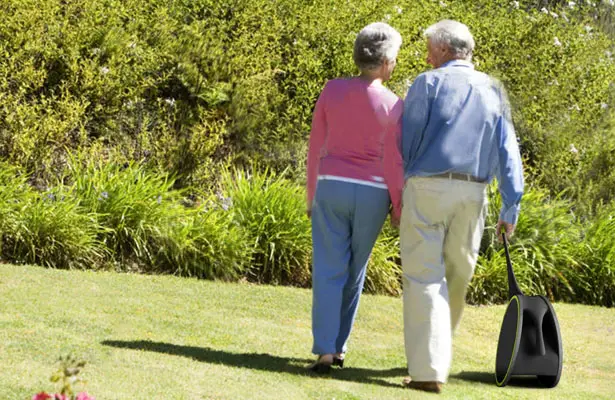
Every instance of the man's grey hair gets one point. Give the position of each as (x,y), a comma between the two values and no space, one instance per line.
(376,43)
(455,35)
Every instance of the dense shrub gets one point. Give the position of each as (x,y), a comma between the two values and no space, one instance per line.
(177,83)
(131,204)
(581,170)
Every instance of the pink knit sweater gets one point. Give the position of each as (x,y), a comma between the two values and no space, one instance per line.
(356,137)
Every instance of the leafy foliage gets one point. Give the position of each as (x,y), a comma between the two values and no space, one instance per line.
(154,96)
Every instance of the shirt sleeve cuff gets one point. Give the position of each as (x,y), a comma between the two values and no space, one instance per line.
(510,214)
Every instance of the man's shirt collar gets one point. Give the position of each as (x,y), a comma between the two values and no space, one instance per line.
(458,63)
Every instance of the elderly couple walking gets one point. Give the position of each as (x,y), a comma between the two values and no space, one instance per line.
(427,161)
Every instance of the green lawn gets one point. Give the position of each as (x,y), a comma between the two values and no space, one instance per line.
(160,337)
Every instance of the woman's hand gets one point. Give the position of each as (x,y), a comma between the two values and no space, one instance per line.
(394,219)
(395,223)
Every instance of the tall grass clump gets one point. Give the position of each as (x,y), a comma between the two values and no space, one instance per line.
(46,228)
(271,211)
(149,225)
(130,204)
(384,269)
(543,250)
(594,280)
(203,242)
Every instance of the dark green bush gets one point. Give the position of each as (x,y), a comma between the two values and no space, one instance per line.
(177,83)
(581,170)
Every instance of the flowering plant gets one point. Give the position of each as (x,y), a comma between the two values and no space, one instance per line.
(66,376)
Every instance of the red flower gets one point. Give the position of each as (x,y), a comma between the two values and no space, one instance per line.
(41,396)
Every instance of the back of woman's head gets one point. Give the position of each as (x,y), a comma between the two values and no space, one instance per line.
(376,43)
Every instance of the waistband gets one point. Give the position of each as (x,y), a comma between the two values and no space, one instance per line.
(457,176)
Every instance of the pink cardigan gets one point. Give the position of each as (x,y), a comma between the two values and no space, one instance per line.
(356,136)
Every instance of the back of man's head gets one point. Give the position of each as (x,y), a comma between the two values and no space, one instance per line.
(453,34)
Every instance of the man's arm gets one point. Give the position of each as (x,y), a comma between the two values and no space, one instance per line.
(414,121)
(509,172)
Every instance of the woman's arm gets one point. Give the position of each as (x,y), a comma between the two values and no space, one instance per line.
(318,134)
(393,163)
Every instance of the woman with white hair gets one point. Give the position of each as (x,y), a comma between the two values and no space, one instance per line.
(354,175)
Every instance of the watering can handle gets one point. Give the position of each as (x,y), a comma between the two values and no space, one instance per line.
(513,286)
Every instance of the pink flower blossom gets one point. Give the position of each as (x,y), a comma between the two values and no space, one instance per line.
(41,396)
(84,396)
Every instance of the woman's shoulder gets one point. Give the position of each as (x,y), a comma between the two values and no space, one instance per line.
(388,96)
(338,83)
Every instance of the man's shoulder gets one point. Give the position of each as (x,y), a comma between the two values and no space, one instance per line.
(427,76)
(469,76)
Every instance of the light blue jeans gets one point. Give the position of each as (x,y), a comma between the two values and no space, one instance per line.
(346,220)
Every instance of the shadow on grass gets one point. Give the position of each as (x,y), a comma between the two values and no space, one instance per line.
(528,382)
(475,376)
(263,362)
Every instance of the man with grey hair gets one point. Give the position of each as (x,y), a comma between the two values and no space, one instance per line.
(457,135)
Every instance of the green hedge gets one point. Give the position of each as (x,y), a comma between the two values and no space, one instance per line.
(177,83)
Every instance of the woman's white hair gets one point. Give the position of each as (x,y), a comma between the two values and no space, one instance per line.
(455,35)
(376,43)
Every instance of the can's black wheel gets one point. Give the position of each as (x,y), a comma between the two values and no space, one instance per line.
(508,343)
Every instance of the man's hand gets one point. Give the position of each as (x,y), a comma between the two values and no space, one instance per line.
(309,213)
(503,226)
(395,222)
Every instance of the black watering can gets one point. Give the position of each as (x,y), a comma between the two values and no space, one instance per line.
(530,342)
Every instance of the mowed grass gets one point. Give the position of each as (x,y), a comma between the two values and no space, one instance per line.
(162,337)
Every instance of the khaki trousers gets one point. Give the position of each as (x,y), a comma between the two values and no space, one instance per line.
(441,227)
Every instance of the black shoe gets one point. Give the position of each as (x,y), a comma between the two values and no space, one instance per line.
(338,362)
(320,366)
